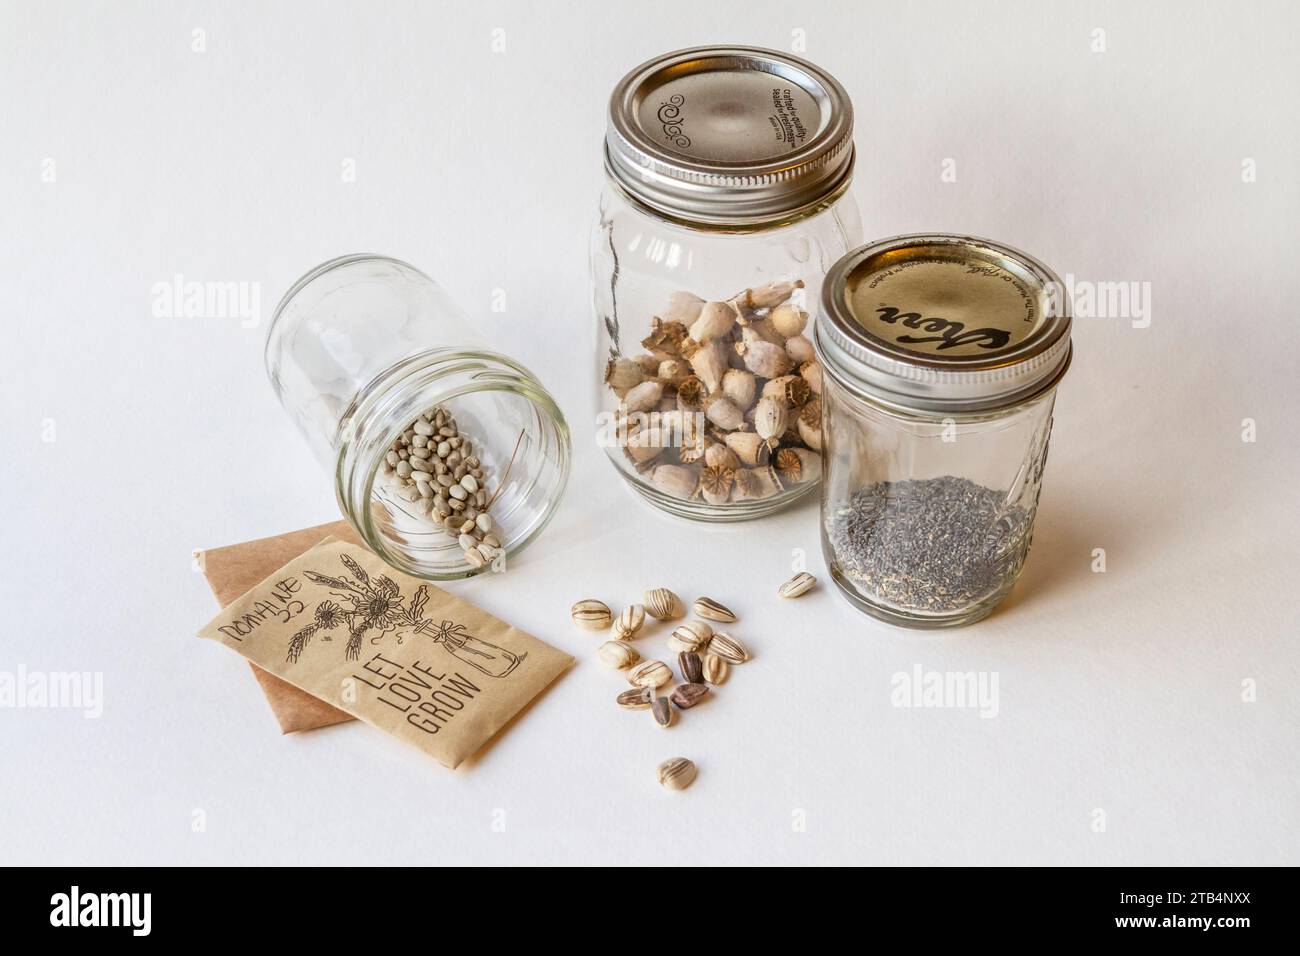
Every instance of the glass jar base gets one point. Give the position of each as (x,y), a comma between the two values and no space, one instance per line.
(697,510)
(899,618)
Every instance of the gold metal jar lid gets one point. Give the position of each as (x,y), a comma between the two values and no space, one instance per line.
(943,323)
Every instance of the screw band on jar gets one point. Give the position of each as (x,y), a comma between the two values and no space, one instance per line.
(729,135)
(943,323)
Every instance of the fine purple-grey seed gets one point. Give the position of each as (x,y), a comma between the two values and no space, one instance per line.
(935,545)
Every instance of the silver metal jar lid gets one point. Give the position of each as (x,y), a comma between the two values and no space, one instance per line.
(729,135)
(943,323)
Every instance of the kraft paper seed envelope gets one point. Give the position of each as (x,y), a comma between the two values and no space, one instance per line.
(389,649)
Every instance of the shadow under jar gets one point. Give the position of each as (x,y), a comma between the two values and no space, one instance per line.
(379,370)
(726,201)
(942,355)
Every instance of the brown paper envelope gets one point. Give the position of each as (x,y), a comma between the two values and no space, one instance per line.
(389,648)
(234,569)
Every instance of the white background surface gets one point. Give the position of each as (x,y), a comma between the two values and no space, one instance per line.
(1119,691)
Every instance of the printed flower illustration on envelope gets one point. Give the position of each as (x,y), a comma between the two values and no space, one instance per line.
(375,608)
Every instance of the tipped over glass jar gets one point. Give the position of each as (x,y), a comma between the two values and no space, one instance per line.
(726,201)
(446,456)
(942,355)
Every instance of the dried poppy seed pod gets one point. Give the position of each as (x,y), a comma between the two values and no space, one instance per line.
(748,447)
(788,319)
(809,425)
(773,293)
(683,307)
(649,364)
(741,387)
(673,371)
(799,349)
(753,484)
(719,455)
(623,373)
(665,339)
(716,485)
(812,374)
(643,397)
(770,419)
(675,480)
(721,411)
(790,389)
(760,330)
(796,465)
(710,363)
(691,394)
(716,321)
(763,358)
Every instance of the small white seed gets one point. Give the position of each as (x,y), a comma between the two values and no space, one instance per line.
(617,654)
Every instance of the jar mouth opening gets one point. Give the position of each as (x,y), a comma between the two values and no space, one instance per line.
(525,482)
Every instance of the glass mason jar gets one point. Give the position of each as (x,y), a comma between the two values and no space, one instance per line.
(726,201)
(941,355)
(358,350)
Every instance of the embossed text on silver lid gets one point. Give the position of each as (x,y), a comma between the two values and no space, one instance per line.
(943,323)
(729,135)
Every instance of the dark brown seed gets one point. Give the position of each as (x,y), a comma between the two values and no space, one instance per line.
(691,667)
(688,695)
(636,699)
(663,713)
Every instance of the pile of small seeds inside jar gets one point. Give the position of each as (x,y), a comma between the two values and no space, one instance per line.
(933,545)
(705,656)
(724,405)
(433,467)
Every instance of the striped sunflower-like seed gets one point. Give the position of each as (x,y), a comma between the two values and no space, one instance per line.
(638,698)
(728,648)
(710,609)
(649,673)
(662,711)
(691,636)
(591,614)
(617,654)
(629,622)
(676,774)
(797,586)
(688,662)
(687,696)
(715,669)
(662,604)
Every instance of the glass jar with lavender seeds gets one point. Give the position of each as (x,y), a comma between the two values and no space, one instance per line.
(726,200)
(941,356)
(446,457)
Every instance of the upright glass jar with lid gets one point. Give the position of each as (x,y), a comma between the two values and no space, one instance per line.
(942,355)
(726,202)
(372,360)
